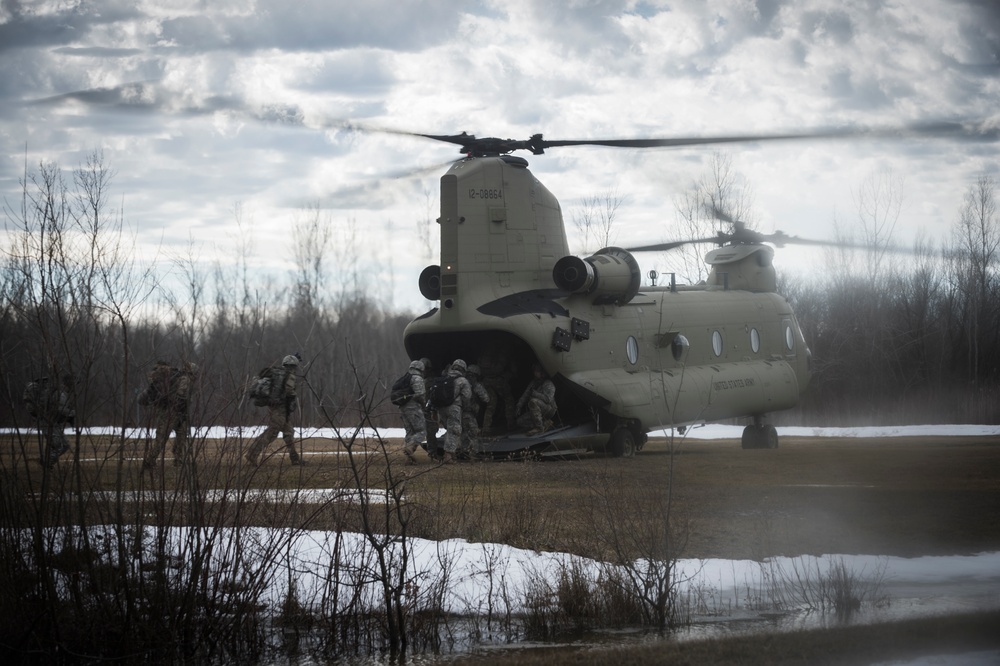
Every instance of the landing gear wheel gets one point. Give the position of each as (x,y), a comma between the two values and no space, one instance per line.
(622,443)
(758,436)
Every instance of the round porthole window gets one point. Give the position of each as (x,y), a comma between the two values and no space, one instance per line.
(632,350)
(679,346)
(717,343)
(754,340)
(789,338)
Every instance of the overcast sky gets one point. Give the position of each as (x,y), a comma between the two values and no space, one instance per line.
(199,106)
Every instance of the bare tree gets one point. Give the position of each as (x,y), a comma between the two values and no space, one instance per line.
(311,239)
(424,225)
(879,199)
(977,239)
(188,310)
(721,192)
(596,218)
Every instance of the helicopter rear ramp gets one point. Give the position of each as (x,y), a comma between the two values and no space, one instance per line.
(561,441)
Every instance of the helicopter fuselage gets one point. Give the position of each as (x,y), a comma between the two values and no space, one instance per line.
(624,358)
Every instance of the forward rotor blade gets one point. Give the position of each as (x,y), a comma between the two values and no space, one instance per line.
(722,216)
(779,239)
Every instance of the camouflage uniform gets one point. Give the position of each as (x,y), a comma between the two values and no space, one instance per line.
(170,411)
(537,405)
(51,408)
(470,416)
(279,415)
(496,380)
(412,411)
(451,416)
(434,446)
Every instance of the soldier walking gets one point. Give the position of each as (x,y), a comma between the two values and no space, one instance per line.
(412,410)
(451,415)
(168,393)
(49,404)
(537,405)
(434,449)
(496,379)
(470,414)
(281,403)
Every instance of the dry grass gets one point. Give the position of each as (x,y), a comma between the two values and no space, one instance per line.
(812,496)
(899,496)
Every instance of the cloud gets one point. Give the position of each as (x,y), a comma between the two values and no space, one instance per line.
(318,25)
(200,105)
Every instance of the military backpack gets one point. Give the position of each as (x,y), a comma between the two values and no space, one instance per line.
(41,399)
(268,387)
(442,392)
(402,390)
(164,381)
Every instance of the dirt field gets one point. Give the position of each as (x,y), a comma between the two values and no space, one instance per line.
(888,496)
(896,496)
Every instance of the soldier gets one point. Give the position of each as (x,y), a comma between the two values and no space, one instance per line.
(168,393)
(281,404)
(430,414)
(537,405)
(412,411)
(470,416)
(50,406)
(496,379)
(451,414)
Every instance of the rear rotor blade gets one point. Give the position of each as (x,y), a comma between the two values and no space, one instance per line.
(930,129)
(664,247)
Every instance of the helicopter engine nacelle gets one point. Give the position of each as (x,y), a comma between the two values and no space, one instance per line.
(430,283)
(611,275)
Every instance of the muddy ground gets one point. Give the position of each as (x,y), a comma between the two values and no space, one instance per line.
(889,496)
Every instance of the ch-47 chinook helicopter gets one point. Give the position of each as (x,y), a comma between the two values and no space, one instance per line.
(625,359)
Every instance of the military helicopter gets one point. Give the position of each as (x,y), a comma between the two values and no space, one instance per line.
(626,359)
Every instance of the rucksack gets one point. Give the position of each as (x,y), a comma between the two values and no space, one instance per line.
(401,391)
(39,398)
(267,388)
(442,391)
(162,389)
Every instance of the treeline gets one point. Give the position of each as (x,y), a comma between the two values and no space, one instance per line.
(896,337)
(908,336)
(76,299)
